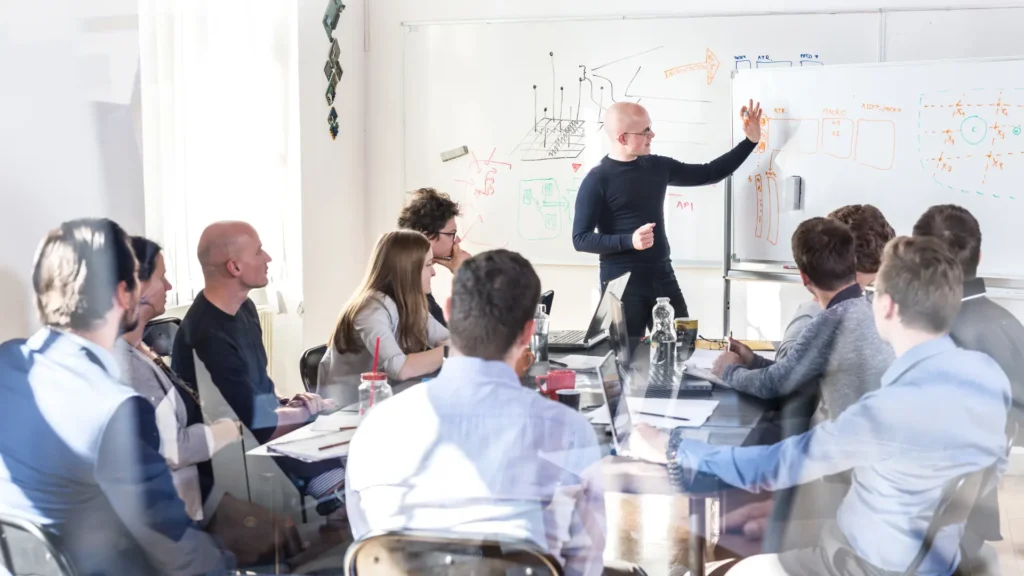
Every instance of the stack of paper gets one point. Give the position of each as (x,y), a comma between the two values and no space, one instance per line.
(663,412)
(578,362)
(700,363)
(336,422)
(314,449)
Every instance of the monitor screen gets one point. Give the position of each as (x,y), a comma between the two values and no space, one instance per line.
(613,384)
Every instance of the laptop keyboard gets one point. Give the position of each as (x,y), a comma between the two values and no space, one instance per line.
(567,336)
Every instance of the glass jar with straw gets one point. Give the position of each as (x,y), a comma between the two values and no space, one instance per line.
(373,386)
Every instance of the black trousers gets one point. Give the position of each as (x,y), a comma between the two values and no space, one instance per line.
(646,284)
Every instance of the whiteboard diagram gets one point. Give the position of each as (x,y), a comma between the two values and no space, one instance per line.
(971,140)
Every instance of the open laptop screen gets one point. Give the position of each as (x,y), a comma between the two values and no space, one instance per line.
(612,383)
(602,316)
(617,336)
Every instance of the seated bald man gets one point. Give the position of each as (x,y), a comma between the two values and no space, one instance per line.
(620,208)
(223,329)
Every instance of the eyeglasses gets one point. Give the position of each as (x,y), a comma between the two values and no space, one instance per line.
(453,234)
(713,344)
(646,133)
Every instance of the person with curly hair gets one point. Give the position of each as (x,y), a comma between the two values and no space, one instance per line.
(433,214)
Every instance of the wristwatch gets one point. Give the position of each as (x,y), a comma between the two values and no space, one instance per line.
(446,348)
(676,473)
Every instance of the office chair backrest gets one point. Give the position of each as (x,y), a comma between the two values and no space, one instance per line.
(958,499)
(309,366)
(429,554)
(31,549)
(159,335)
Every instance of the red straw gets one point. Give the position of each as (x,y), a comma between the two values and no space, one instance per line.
(376,354)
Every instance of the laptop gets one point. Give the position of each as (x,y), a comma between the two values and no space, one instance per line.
(613,379)
(597,332)
(617,335)
(548,300)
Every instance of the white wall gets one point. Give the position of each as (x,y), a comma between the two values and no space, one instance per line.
(759,309)
(61,156)
(334,248)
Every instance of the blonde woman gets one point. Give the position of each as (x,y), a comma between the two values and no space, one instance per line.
(390,304)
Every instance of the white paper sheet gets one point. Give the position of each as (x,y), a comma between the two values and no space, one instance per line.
(579,362)
(337,421)
(658,412)
(309,449)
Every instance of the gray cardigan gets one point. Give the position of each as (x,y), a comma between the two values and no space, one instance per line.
(840,347)
(182,446)
(338,374)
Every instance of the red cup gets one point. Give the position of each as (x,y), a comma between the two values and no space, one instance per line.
(556,380)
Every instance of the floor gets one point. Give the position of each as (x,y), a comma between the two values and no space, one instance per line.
(652,531)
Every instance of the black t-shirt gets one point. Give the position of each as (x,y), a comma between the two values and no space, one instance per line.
(616,198)
(231,348)
(435,310)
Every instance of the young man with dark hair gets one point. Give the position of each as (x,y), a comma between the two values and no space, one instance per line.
(870,232)
(79,452)
(939,415)
(984,326)
(487,454)
(840,346)
(433,214)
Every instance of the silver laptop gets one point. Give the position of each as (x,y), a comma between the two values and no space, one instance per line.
(597,332)
(614,378)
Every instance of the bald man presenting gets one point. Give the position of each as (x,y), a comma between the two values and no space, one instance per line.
(222,328)
(620,207)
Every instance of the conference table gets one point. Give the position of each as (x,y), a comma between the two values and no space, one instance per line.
(736,421)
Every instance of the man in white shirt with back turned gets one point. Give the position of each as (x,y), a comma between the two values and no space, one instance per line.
(473,451)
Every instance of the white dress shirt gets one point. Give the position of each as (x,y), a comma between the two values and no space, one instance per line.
(473,451)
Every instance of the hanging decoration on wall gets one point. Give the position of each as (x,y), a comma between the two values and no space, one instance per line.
(331,16)
(332,68)
(332,121)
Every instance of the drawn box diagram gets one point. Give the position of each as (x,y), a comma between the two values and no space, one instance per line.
(541,206)
(837,137)
(876,143)
(793,135)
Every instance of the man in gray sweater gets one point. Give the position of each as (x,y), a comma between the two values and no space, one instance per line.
(839,348)
(871,232)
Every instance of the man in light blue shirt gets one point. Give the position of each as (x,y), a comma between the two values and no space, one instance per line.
(79,451)
(939,415)
(473,451)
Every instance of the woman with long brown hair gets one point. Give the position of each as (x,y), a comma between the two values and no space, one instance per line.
(390,304)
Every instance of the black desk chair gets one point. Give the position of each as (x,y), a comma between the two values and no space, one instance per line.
(309,365)
(159,335)
(36,548)
(428,553)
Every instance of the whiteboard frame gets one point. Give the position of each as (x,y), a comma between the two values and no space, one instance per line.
(680,15)
(784,271)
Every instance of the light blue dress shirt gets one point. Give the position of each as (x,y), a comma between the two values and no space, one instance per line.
(940,414)
(79,454)
(473,451)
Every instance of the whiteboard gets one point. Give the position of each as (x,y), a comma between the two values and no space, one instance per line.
(526,98)
(900,136)
(950,34)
